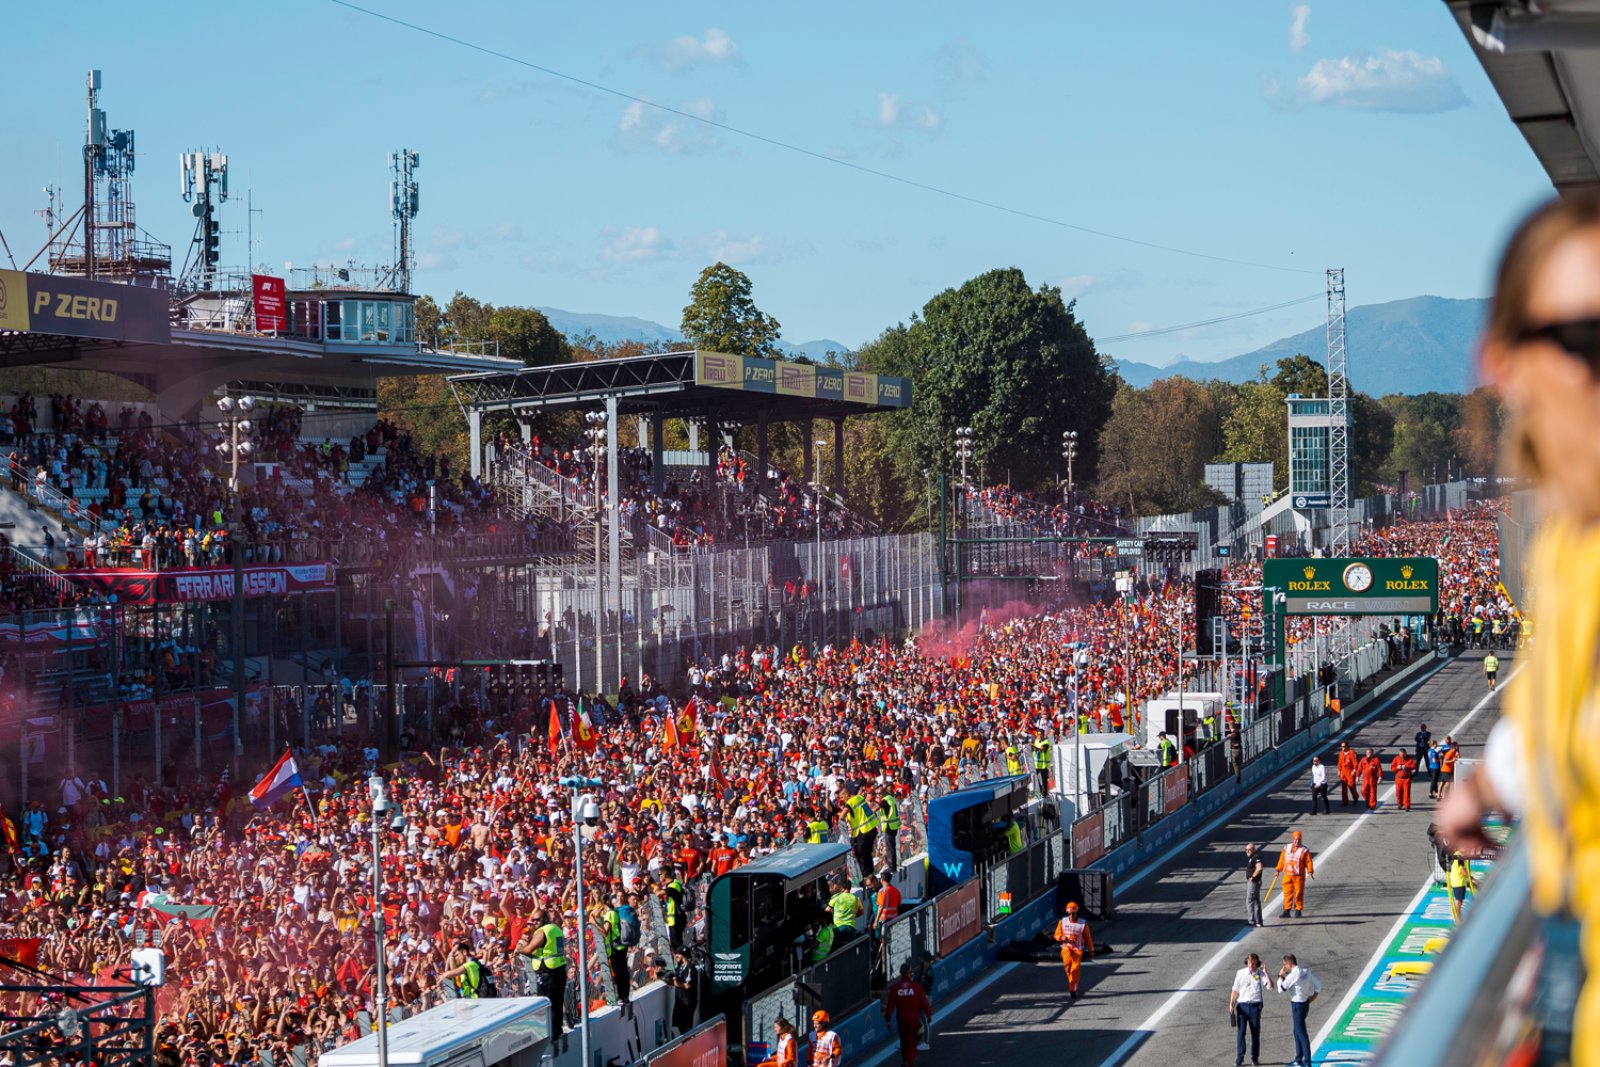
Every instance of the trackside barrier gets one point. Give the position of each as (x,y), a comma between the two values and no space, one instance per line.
(1019,879)
(704,1046)
(911,937)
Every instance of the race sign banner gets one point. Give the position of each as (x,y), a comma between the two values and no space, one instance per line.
(216,583)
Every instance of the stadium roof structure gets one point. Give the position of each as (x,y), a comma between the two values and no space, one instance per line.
(1545,66)
(689,384)
(723,389)
(185,349)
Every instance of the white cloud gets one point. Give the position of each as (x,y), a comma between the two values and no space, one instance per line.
(959,63)
(744,248)
(1118,280)
(1140,326)
(636,244)
(894,112)
(1076,285)
(1403,82)
(643,126)
(1298,37)
(680,53)
(435,261)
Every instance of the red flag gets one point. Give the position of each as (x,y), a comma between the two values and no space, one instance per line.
(717,776)
(555,728)
(686,730)
(583,734)
(669,734)
(24,950)
(8,832)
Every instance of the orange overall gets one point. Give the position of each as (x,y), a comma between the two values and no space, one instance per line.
(1075,939)
(1371,777)
(1403,767)
(1347,777)
(1294,864)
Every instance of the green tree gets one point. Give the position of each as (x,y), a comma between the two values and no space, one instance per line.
(525,334)
(722,315)
(1017,366)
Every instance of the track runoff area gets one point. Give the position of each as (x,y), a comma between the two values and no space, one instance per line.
(1160,997)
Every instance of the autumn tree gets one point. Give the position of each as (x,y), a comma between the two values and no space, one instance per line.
(1155,446)
(722,315)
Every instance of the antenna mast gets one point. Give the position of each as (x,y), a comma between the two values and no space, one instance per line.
(403,205)
(203,181)
(1338,418)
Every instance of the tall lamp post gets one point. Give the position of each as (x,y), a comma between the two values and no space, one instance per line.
(1069,452)
(585,815)
(382,807)
(597,448)
(236,446)
(816,468)
(963,453)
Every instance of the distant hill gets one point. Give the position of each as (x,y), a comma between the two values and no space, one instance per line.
(1423,344)
(614,328)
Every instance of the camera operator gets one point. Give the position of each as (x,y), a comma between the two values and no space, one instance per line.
(685,981)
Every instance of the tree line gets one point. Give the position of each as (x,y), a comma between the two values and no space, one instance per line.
(1014,363)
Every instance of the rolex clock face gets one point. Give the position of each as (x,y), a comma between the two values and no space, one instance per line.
(1358,577)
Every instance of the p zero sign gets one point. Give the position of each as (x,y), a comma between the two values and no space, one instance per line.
(1400,585)
(78,307)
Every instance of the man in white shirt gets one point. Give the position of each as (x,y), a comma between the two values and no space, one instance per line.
(1244,1006)
(1302,987)
(1319,786)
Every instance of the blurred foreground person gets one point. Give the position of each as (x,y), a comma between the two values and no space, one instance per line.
(1542,352)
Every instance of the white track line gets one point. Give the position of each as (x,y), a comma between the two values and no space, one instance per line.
(1272,782)
(1146,1028)
(1355,987)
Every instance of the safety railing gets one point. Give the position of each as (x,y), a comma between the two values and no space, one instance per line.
(706,1043)
(1018,879)
(912,937)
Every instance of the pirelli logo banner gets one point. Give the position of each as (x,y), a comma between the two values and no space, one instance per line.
(76,307)
(1366,586)
(803,380)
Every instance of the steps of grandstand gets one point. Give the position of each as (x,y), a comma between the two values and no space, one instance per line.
(527,489)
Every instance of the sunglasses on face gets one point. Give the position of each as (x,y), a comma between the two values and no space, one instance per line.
(1579,338)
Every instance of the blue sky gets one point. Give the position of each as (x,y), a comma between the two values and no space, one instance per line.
(1360,134)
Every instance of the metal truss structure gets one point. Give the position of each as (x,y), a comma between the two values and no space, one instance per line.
(108,1026)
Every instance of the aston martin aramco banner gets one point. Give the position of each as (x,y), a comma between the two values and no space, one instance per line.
(806,380)
(1367,586)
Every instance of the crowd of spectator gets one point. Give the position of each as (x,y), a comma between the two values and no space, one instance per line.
(264,915)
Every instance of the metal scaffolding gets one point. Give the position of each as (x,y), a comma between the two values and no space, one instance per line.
(1338,417)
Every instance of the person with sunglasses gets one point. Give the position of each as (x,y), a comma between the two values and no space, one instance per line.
(1541,352)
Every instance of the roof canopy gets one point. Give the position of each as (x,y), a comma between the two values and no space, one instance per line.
(694,383)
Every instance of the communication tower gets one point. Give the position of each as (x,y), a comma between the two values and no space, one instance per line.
(403,205)
(1338,418)
(103,240)
(203,181)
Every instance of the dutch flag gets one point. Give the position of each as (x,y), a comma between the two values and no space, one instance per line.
(283,779)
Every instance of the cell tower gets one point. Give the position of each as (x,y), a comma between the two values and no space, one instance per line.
(111,245)
(403,206)
(203,181)
(1338,418)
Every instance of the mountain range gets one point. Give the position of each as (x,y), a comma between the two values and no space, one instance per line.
(1419,345)
(614,328)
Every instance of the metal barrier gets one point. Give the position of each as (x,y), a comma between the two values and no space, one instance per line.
(765,1008)
(1021,878)
(910,937)
(706,1043)
(839,984)
(1208,768)
(1259,738)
